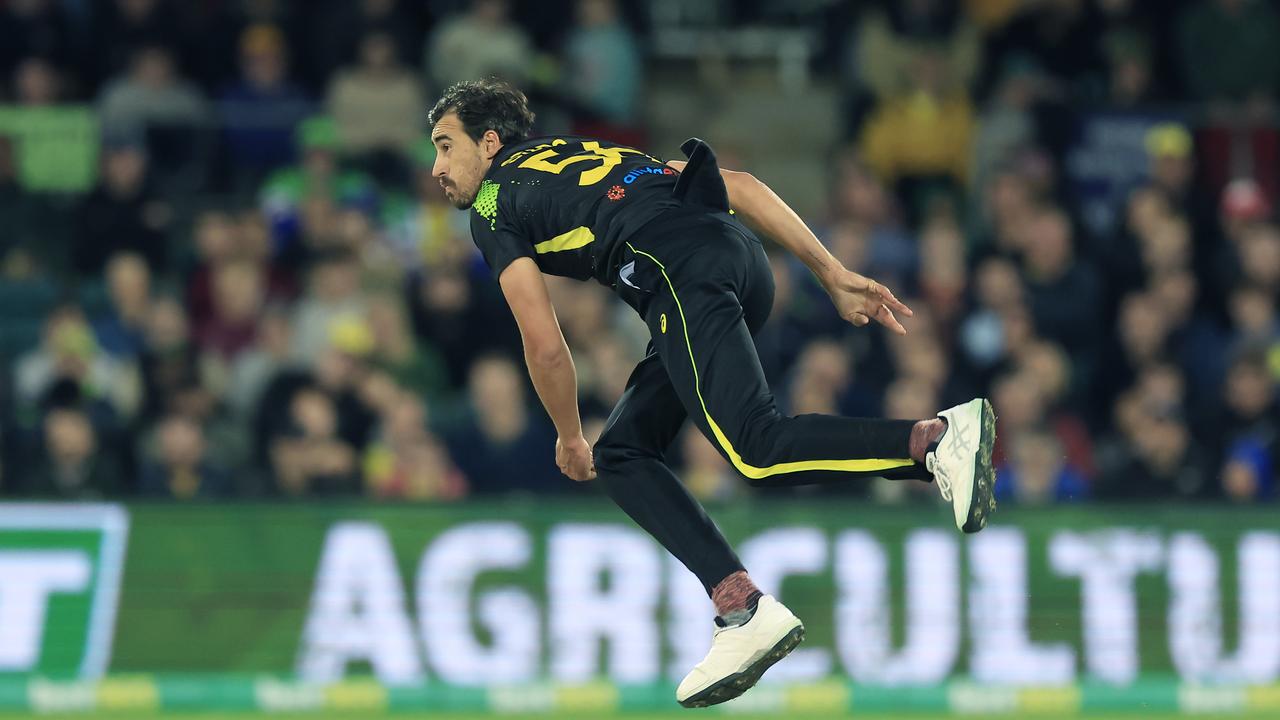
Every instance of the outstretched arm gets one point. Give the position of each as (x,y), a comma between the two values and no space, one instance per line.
(859,299)
(550,364)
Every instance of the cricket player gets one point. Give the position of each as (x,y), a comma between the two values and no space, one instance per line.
(677,242)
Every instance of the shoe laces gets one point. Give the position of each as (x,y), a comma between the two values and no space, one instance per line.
(940,476)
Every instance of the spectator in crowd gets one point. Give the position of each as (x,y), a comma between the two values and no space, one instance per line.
(254,245)
(1062,36)
(1249,400)
(821,374)
(1054,271)
(479,43)
(151,94)
(339,31)
(1254,321)
(122,213)
(371,101)
(1008,120)
(942,276)
(890,39)
(503,446)
(120,28)
(343,371)
(416,367)
(121,332)
(919,138)
(461,318)
(253,369)
(607,368)
(1050,366)
(170,362)
(259,112)
(1008,204)
(602,63)
(1035,473)
(69,355)
(34,29)
(180,466)
(239,294)
(1147,211)
(216,240)
(1131,81)
(860,199)
(1247,475)
(982,335)
(320,178)
(406,461)
(76,463)
(380,269)
(422,228)
(1131,355)
(36,83)
(333,292)
(310,458)
(1157,457)
(1259,257)
(1172,170)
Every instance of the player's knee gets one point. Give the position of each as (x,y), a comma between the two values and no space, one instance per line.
(758,443)
(610,452)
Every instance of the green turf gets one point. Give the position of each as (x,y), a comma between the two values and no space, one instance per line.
(692,714)
(673,715)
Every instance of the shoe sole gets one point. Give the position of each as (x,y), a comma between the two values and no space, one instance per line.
(731,686)
(983,500)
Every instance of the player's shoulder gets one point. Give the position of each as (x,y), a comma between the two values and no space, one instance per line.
(484,209)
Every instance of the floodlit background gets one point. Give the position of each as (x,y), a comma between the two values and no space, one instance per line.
(266,442)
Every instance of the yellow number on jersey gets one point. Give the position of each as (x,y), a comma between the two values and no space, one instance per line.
(608,157)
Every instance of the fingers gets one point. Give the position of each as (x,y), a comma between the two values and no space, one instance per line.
(886,318)
(886,296)
(894,303)
(578,470)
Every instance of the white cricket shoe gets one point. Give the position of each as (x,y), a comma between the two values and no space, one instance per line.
(961,463)
(740,654)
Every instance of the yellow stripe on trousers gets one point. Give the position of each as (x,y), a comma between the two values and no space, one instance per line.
(751,471)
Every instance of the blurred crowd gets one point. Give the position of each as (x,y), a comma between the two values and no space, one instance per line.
(226,271)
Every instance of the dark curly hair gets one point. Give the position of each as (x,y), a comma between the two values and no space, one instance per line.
(486,105)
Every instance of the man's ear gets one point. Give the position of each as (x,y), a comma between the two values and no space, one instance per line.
(490,144)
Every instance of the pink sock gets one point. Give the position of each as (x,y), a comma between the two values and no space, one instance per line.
(734,593)
(922,434)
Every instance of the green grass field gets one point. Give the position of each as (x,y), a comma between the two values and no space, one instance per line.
(691,714)
(694,714)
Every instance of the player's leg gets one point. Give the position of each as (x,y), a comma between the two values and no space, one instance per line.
(631,467)
(699,323)
(753,631)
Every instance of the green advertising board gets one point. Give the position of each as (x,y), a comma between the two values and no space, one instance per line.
(553,605)
(60,572)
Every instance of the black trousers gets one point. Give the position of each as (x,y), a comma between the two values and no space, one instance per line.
(704,287)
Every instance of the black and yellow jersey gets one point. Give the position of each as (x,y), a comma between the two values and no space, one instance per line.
(568,203)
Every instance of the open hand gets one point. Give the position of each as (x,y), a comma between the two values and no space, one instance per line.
(573,456)
(860,300)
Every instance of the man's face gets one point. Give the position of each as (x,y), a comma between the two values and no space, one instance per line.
(461,162)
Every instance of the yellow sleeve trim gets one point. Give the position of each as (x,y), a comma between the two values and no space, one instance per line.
(572,240)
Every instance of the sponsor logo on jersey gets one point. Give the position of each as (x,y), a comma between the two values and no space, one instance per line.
(641,171)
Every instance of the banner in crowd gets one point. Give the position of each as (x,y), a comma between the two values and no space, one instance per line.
(572,594)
